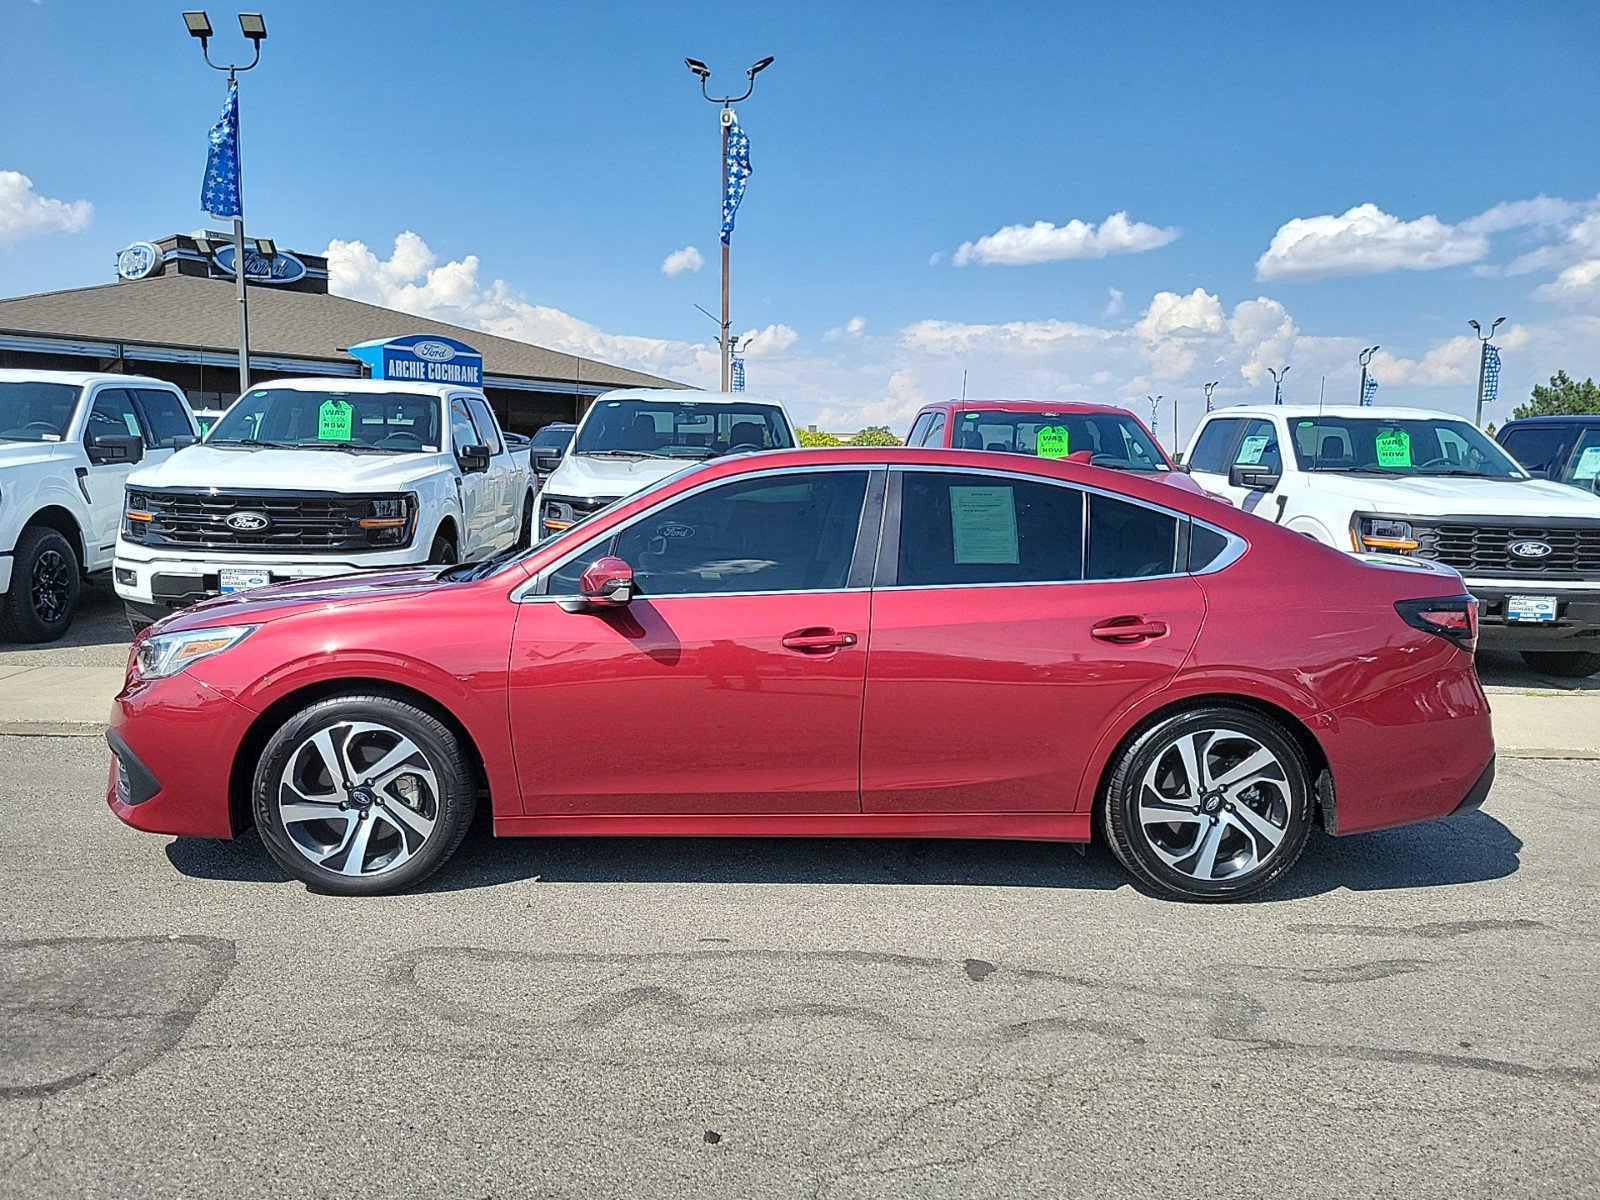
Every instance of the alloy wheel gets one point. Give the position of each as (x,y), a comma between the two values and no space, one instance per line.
(1215,804)
(359,798)
(51,586)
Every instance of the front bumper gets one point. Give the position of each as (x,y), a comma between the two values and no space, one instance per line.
(1577,615)
(154,585)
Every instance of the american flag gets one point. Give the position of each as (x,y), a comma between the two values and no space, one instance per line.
(1491,372)
(736,168)
(219,194)
(738,373)
(1369,390)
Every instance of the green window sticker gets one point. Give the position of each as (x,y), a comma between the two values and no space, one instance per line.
(1394,448)
(334,420)
(1051,442)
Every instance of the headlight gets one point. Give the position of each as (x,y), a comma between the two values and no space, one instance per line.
(1382,534)
(390,520)
(558,515)
(168,653)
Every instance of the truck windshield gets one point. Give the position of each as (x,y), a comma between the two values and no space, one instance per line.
(36,412)
(1112,439)
(391,422)
(1404,446)
(680,429)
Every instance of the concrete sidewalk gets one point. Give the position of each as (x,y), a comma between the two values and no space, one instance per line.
(58,699)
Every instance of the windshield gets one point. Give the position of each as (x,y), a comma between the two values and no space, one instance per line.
(36,412)
(1112,439)
(680,429)
(387,422)
(552,437)
(1404,447)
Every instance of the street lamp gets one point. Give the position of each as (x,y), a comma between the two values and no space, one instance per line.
(1155,414)
(703,73)
(1210,387)
(1483,359)
(1364,358)
(1277,383)
(254,27)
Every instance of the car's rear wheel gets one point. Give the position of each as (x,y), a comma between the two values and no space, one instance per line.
(1563,664)
(363,794)
(1210,804)
(46,582)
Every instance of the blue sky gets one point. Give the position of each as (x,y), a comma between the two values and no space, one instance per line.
(545,159)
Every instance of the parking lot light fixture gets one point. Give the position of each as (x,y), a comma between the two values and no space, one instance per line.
(1483,360)
(1277,383)
(199,26)
(1210,387)
(1155,413)
(253,26)
(1365,358)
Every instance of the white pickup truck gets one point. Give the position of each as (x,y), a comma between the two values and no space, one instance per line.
(68,440)
(312,477)
(1429,485)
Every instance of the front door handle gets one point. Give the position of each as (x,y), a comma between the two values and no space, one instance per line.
(1128,630)
(818,639)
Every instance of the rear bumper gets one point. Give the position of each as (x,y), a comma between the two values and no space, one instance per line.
(1474,798)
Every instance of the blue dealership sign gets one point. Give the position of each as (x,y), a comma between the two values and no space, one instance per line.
(282,267)
(422,358)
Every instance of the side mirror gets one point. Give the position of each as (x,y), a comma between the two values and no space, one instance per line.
(115,448)
(545,463)
(1179,465)
(185,441)
(605,583)
(1537,472)
(1253,477)
(473,458)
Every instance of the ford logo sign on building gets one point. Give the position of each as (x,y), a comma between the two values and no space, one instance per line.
(1530,548)
(247,522)
(434,351)
(282,267)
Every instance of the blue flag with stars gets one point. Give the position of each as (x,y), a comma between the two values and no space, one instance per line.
(736,170)
(219,194)
(1491,372)
(1370,390)
(738,373)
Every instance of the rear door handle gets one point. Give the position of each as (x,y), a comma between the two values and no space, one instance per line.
(818,639)
(1128,629)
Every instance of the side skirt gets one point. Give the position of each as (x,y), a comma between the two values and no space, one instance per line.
(1025,826)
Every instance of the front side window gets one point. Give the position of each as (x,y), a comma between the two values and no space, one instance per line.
(1406,446)
(976,529)
(686,429)
(484,420)
(1534,446)
(919,427)
(789,533)
(934,434)
(462,432)
(1212,448)
(318,419)
(1583,465)
(36,412)
(1259,447)
(1112,439)
(167,417)
(113,412)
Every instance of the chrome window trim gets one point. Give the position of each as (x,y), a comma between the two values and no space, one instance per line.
(526,592)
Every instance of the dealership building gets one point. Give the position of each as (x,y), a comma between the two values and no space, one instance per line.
(172,313)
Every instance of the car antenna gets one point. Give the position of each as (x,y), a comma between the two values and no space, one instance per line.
(963,385)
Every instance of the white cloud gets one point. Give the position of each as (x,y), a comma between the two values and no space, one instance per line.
(1113,304)
(1366,241)
(1542,212)
(24,213)
(679,261)
(1022,245)
(1577,286)
(767,342)
(853,328)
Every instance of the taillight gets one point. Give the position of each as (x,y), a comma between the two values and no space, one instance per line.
(1451,617)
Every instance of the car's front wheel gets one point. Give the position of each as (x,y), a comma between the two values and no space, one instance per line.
(1563,664)
(1210,804)
(363,794)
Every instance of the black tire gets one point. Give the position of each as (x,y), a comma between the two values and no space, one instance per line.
(525,533)
(446,794)
(1563,664)
(443,551)
(46,583)
(1140,846)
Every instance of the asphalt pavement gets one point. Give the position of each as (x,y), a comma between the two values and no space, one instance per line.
(1412,1015)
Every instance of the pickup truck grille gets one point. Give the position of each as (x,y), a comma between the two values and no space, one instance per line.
(266,522)
(1482,546)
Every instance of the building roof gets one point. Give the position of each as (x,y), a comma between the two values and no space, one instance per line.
(196,313)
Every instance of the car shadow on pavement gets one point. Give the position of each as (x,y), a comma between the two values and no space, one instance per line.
(1467,849)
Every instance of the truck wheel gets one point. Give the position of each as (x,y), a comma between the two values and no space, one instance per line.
(45,585)
(525,535)
(1563,664)
(443,552)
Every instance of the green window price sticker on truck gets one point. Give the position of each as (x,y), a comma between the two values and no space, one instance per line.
(1051,442)
(334,420)
(1394,448)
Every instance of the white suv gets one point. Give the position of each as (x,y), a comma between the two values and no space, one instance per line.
(631,438)
(1429,485)
(306,478)
(67,442)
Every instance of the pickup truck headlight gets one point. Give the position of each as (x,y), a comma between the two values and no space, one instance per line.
(1383,534)
(557,515)
(168,653)
(389,520)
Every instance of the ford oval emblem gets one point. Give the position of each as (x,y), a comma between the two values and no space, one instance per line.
(247,522)
(675,531)
(434,351)
(1530,549)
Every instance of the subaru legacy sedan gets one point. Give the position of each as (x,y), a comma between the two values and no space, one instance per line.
(828,643)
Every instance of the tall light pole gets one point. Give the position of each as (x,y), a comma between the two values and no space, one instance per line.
(1210,387)
(703,74)
(1364,358)
(1277,383)
(254,27)
(1155,414)
(1483,359)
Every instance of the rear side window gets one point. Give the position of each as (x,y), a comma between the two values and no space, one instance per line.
(1212,450)
(1130,541)
(975,529)
(1205,546)
(167,416)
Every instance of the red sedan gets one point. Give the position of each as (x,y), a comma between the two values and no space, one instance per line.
(857,643)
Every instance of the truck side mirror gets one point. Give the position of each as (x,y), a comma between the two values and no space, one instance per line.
(184,441)
(115,448)
(473,458)
(1253,477)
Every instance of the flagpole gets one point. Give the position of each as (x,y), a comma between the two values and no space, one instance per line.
(722,166)
(1365,358)
(238,254)
(1483,361)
